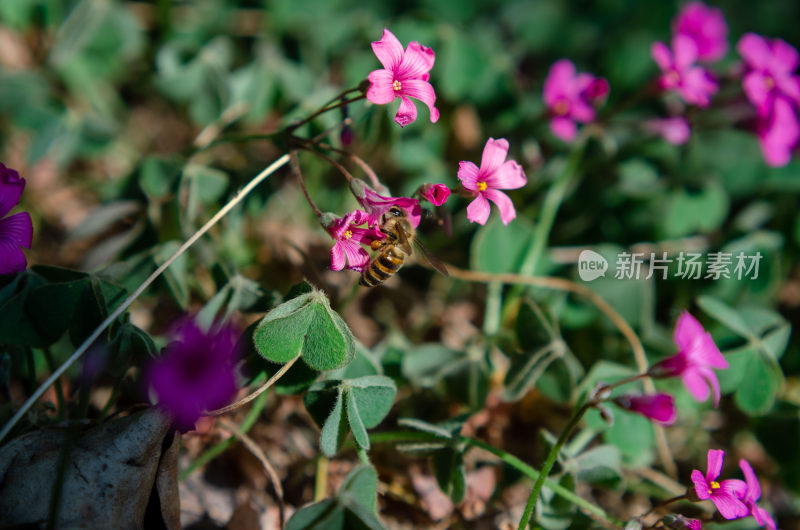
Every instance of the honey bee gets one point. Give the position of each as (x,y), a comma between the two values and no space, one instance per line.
(394,248)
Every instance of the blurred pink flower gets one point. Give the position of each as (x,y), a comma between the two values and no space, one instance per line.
(772,87)
(196,372)
(679,522)
(435,194)
(675,130)
(680,73)
(405,75)
(693,363)
(751,496)
(376,205)
(706,27)
(495,174)
(349,239)
(724,494)
(657,407)
(16,231)
(570,97)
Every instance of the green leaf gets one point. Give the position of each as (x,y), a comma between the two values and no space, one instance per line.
(360,487)
(448,467)
(725,315)
(354,419)
(689,213)
(374,396)
(599,465)
(318,516)
(176,275)
(775,342)
(280,335)
(731,378)
(329,343)
(532,328)
(335,428)
(525,370)
(758,387)
(498,248)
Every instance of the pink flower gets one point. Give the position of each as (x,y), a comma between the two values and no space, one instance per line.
(679,73)
(706,27)
(694,361)
(724,494)
(657,407)
(495,174)
(349,240)
(16,231)
(405,75)
(435,194)
(679,522)
(772,87)
(674,130)
(376,205)
(195,373)
(751,496)
(569,98)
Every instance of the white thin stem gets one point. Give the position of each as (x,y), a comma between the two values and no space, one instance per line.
(133,296)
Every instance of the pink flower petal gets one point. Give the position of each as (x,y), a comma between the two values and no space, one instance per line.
(380,90)
(780,134)
(696,384)
(756,89)
(763,518)
(559,79)
(357,257)
(784,57)
(729,506)
(706,26)
(704,351)
(733,486)
(406,113)
(12,260)
(700,485)
(715,459)
(685,51)
(337,257)
(494,154)
(504,204)
(790,86)
(674,130)
(754,50)
(581,111)
(509,176)
(753,491)
(388,50)
(468,175)
(698,86)
(563,128)
(422,91)
(662,55)
(417,61)
(17,229)
(478,210)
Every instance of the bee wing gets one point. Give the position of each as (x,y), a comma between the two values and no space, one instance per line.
(425,255)
(402,239)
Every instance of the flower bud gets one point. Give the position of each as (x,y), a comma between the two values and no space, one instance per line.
(657,407)
(435,194)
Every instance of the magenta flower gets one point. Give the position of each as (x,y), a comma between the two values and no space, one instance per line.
(751,496)
(679,522)
(657,407)
(495,174)
(693,363)
(16,231)
(706,27)
(675,130)
(405,75)
(679,72)
(376,205)
(435,194)
(196,372)
(349,240)
(570,97)
(772,87)
(724,494)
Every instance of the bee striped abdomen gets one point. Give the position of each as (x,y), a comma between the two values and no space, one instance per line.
(382,267)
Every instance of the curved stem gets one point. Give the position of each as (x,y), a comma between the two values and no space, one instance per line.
(548,465)
(280,162)
(260,390)
(328,107)
(295,165)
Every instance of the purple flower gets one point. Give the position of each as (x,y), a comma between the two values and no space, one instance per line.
(693,363)
(706,27)
(674,130)
(774,90)
(349,240)
(569,98)
(405,75)
(679,72)
(657,407)
(376,205)
(495,174)
(435,194)
(724,494)
(751,496)
(16,231)
(195,373)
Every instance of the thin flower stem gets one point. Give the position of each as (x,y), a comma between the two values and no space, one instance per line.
(663,503)
(331,161)
(260,390)
(494,304)
(51,364)
(373,177)
(627,380)
(588,507)
(339,103)
(321,479)
(220,447)
(280,162)
(548,465)
(295,165)
(256,451)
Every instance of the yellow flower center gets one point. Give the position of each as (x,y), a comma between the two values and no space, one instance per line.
(674,77)
(769,82)
(561,108)
(348,234)
(714,486)
(482,186)
(397,85)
